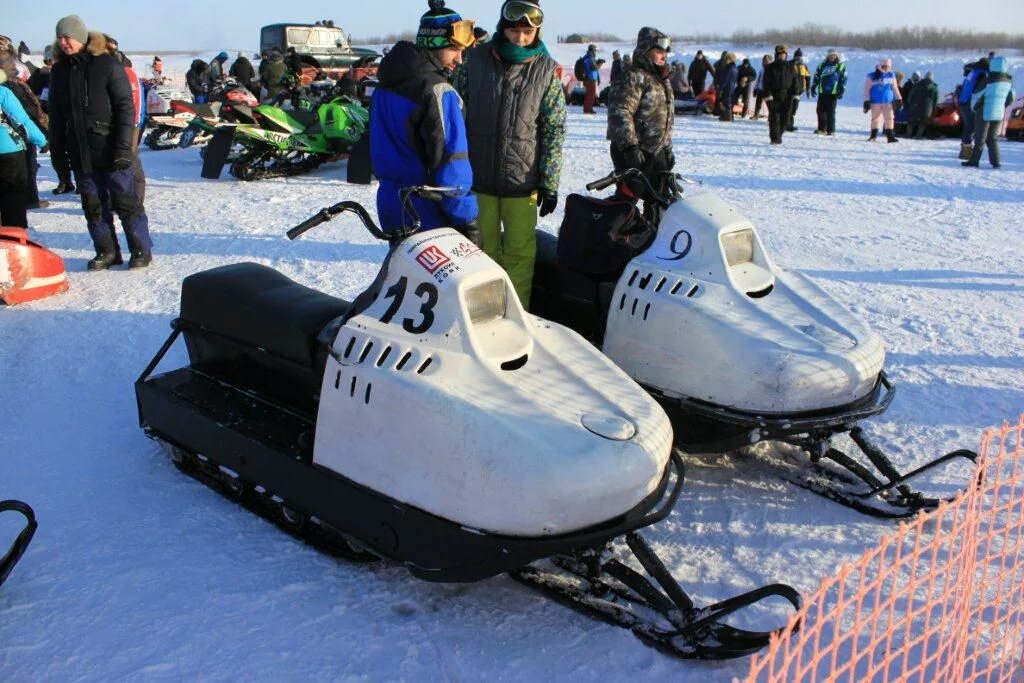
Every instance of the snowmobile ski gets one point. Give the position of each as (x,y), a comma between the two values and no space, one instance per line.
(8,561)
(658,612)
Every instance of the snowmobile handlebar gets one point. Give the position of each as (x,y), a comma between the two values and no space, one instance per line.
(615,177)
(327,213)
(428,192)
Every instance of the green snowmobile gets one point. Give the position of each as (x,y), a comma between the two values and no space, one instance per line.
(291,142)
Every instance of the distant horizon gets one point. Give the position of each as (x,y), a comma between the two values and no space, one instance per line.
(211,26)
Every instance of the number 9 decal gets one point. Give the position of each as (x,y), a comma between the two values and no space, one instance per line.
(674,246)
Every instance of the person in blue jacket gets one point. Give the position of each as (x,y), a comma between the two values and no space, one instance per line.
(13,171)
(829,86)
(417,127)
(988,106)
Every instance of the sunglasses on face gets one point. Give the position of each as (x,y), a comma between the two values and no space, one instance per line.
(518,11)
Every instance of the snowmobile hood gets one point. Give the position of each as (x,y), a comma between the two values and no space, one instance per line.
(488,416)
(703,313)
(28,271)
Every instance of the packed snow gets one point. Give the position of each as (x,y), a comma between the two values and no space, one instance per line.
(138,572)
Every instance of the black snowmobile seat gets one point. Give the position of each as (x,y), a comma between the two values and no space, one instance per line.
(258,306)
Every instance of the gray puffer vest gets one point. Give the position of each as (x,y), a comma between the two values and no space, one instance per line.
(502,119)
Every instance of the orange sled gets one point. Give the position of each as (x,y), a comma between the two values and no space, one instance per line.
(28,271)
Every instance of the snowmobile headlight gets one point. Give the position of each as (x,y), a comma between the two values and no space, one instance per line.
(738,247)
(486,302)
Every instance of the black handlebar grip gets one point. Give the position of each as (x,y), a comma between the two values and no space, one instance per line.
(602,183)
(310,223)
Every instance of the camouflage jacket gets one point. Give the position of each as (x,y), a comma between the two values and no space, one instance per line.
(641,109)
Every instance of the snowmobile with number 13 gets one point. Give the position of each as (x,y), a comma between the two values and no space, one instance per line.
(434,422)
(738,350)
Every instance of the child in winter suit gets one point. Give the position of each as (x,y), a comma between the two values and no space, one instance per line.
(882,97)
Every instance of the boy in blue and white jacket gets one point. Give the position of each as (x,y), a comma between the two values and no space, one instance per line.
(988,105)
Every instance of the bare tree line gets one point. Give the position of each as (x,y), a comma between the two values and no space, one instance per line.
(820,35)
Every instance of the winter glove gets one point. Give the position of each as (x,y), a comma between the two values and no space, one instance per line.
(867,106)
(670,159)
(633,157)
(122,161)
(471,231)
(546,201)
(897,105)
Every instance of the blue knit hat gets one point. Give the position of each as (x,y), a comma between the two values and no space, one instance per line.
(435,26)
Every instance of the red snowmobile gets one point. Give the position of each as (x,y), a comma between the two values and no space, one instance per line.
(28,270)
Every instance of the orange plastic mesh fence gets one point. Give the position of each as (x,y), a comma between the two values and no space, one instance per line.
(940,599)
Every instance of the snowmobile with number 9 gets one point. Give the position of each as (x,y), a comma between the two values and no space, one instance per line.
(434,422)
(738,350)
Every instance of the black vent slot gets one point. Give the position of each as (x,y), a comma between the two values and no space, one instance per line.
(761,293)
(646,280)
(647,309)
(661,283)
(632,278)
(515,364)
(424,366)
(366,351)
(366,396)
(404,360)
(384,356)
(635,302)
(622,302)
(352,388)
(693,291)
(676,286)
(337,380)
(348,349)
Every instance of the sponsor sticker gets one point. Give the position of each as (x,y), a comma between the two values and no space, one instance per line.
(432,258)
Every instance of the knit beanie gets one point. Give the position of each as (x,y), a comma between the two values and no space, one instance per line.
(434,26)
(72,26)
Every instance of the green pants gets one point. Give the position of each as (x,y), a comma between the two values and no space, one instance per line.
(516,249)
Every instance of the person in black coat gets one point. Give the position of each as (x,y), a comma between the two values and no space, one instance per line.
(698,73)
(242,71)
(745,75)
(92,120)
(781,89)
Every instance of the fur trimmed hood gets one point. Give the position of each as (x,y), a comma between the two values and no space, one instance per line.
(96,46)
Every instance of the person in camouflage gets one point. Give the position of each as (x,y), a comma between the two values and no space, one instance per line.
(641,114)
(515,120)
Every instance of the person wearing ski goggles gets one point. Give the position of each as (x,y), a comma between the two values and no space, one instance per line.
(641,112)
(515,117)
(417,127)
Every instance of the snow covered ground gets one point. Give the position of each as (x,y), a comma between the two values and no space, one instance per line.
(138,572)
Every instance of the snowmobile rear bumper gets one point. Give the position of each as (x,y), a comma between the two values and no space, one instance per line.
(709,428)
(270,445)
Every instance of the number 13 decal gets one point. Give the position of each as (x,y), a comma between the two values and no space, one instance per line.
(426,291)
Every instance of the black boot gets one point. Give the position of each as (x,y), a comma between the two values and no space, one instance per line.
(890,135)
(874,135)
(104,260)
(140,259)
(63,187)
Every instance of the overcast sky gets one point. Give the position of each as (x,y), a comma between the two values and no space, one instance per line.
(215,24)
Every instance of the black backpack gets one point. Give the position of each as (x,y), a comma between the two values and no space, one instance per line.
(600,236)
(580,70)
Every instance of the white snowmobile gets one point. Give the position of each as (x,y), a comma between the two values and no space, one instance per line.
(738,350)
(434,422)
(23,538)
